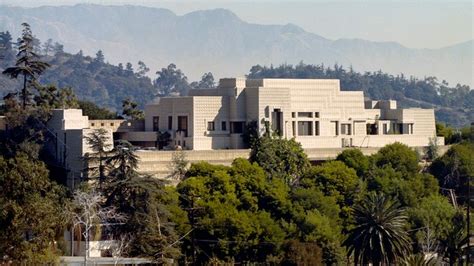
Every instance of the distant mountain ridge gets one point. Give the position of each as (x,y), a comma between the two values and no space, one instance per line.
(219,41)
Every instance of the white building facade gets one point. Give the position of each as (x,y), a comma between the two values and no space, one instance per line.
(313,111)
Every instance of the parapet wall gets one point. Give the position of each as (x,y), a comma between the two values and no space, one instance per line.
(159,163)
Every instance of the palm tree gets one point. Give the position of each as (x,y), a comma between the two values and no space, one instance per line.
(420,260)
(378,237)
(27,63)
(456,239)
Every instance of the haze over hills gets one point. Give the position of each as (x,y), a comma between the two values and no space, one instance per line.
(219,41)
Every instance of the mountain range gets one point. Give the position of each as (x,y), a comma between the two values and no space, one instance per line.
(220,42)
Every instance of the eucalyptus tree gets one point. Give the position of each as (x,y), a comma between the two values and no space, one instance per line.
(27,64)
(379,236)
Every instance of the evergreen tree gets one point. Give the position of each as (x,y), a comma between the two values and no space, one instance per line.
(131,111)
(32,212)
(27,65)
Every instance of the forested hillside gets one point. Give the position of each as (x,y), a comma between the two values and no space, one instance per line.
(94,79)
(221,42)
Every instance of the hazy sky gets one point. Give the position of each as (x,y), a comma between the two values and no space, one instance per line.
(415,24)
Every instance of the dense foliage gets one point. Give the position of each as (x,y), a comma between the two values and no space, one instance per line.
(453,104)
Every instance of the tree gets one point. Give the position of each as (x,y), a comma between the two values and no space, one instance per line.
(131,111)
(298,253)
(455,240)
(99,142)
(378,236)
(129,68)
(399,156)
(355,159)
(179,165)
(99,57)
(6,48)
(334,179)
(27,65)
(122,161)
(50,97)
(432,150)
(171,80)
(88,213)
(162,139)
(93,111)
(455,168)
(206,82)
(227,208)
(280,158)
(58,49)
(48,47)
(436,214)
(32,212)
(142,69)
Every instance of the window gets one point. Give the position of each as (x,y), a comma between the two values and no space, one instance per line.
(316,114)
(102,124)
(316,128)
(385,129)
(210,126)
(183,125)
(156,123)
(293,125)
(305,128)
(170,122)
(293,114)
(345,129)
(372,129)
(111,124)
(305,114)
(223,125)
(237,127)
(92,124)
(336,127)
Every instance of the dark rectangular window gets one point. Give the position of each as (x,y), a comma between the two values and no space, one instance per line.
(237,127)
(316,114)
(305,128)
(183,125)
(316,128)
(345,129)
(223,125)
(305,114)
(156,123)
(210,126)
(170,122)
